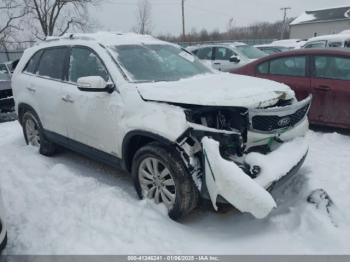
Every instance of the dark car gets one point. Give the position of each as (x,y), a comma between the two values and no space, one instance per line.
(6,100)
(324,73)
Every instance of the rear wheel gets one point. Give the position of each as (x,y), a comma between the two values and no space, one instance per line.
(159,174)
(34,135)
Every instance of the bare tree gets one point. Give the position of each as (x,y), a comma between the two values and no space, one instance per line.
(57,17)
(144,17)
(10,12)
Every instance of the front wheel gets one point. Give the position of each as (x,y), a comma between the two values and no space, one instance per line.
(159,174)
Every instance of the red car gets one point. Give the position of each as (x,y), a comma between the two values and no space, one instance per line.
(324,73)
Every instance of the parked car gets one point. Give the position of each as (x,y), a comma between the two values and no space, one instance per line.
(271,49)
(225,57)
(181,130)
(3,233)
(6,100)
(329,41)
(324,73)
(289,43)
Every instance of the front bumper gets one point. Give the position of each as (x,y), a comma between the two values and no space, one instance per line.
(225,180)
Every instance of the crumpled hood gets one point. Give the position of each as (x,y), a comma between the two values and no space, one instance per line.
(218,89)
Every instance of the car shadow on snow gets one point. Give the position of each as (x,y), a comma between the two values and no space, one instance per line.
(287,196)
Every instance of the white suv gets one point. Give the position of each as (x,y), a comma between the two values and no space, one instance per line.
(226,57)
(182,131)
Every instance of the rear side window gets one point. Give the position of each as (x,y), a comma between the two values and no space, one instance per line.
(335,44)
(263,68)
(32,65)
(52,63)
(289,66)
(84,62)
(332,67)
(319,44)
(205,53)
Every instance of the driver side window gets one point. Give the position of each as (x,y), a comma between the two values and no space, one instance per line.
(84,62)
(223,53)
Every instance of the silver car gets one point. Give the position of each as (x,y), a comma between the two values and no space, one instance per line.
(226,57)
(3,233)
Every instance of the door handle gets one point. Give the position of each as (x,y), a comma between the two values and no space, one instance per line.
(323,88)
(31,89)
(68,99)
(217,63)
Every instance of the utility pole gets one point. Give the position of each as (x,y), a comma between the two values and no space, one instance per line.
(183,19)
(284,10)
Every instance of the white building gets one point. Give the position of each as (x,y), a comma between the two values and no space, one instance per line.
(321,22)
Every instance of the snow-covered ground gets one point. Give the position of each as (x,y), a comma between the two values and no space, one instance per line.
(71,205)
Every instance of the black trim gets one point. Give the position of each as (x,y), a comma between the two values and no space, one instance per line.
(110,88)
(85,150)
(126,146)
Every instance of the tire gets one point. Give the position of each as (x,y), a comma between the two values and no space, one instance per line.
(32,127)
(178,181)
(3,244)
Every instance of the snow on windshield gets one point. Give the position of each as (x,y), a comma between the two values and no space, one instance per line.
(153,63)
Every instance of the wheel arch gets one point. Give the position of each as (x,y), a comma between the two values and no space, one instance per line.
(22,108)
(137,139)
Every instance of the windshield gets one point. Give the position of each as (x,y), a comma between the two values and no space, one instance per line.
(251,52)
(4,74)
(153,63)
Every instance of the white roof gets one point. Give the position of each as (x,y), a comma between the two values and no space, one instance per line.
(107,38)
(339,37)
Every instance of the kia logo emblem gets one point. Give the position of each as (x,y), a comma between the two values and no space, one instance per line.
(284,122)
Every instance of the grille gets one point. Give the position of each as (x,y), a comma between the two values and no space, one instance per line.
(270,123)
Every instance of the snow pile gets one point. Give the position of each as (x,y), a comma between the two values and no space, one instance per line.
(226,179)
(278,163)
(71,205)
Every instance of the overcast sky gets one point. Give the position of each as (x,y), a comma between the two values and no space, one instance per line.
(119,15)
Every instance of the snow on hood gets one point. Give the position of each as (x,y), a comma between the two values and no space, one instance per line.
(219,89)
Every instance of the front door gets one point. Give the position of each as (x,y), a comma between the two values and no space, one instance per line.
(222,56)
(91,117)
(331,90)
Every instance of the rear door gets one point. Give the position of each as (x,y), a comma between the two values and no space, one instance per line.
(44,83)
(290,70)
(330,83)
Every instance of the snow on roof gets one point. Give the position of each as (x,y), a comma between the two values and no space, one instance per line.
(339,37)
(323,15)
(345,32)
(108,38)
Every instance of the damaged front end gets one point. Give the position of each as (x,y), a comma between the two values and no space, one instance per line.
(237,155)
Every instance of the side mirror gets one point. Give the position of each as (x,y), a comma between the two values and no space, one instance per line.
(235,59)
(95,84)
